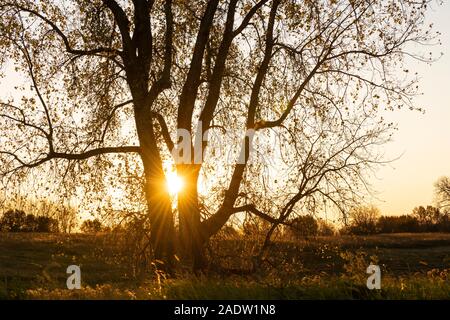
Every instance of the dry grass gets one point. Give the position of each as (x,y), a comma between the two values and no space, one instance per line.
(414,266)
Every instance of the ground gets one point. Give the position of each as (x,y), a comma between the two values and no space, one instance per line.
(414,266)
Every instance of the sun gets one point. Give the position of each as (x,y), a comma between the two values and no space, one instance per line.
(174,183)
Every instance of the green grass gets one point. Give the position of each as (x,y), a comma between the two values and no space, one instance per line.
(414,266)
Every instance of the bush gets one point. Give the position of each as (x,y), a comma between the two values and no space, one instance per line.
(304,226)
(255,228)
(46,224)
(13,221)
(325,228)
(19,221)
(92,226)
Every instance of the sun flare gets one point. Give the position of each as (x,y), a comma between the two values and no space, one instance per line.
(174,183)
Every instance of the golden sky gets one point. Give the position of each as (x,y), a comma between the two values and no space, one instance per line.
(423,140)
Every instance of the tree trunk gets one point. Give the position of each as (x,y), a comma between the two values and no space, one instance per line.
(190,238)
(162,233)
(158,200)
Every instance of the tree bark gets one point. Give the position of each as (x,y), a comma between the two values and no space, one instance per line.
(190,237)
(158,200)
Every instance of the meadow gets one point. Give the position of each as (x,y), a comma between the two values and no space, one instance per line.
(414,266)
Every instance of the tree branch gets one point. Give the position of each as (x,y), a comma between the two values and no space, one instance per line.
(164,80)
(164,130)
(64,38)
(72,156)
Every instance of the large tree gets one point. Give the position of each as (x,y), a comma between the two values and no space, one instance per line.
(295,85)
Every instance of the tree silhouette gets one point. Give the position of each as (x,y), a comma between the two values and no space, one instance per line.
(442,187)
(114,84)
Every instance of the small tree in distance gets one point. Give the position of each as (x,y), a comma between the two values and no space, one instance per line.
(442,190)
(363,220)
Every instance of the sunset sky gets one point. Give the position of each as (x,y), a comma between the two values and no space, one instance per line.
(423,140)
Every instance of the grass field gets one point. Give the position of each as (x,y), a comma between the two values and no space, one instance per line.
(414,266)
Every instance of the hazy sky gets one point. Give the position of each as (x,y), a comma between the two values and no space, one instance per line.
(423,139)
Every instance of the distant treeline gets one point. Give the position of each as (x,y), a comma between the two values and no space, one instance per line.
(15,220)
(37,215)
(361,221)
(19,221)
(367,220)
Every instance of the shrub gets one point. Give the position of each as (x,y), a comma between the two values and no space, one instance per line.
(19,221)
(46,224)
(91,226)
(304,226)
(255,228)
(325,228)
(13,221)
